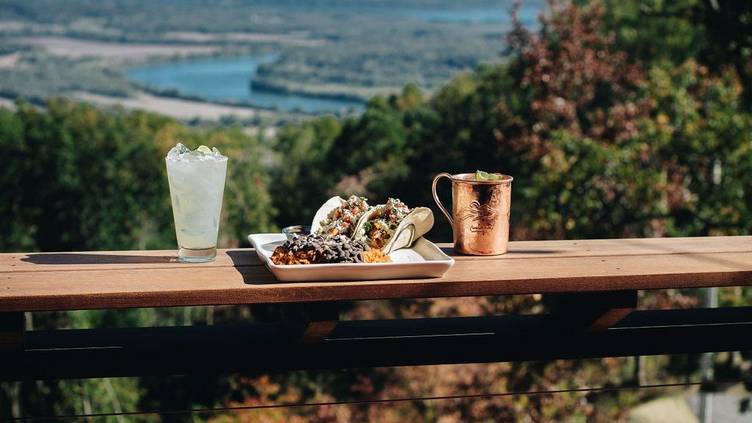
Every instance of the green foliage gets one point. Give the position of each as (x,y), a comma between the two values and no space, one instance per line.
(585,189)
(700,131)
(657,30)
(303,175)
(38,76)
(16,228)
(718,34)
(81,179)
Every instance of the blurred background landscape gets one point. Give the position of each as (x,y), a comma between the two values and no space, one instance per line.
(616,118)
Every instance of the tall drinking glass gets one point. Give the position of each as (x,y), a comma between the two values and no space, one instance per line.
(197,182)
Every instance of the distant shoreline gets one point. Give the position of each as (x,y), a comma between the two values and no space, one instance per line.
(168,103)
(77,48)
(175,107)
(283,89)
(176,94)
(184,109)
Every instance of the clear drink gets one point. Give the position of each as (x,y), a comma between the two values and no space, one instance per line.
(197,182)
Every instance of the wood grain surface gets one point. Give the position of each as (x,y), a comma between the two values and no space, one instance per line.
(121,279)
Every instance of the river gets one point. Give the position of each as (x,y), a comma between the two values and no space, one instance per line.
(227,79)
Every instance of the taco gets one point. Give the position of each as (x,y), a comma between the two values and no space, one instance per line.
(339,216)
(318,249)
(391,226)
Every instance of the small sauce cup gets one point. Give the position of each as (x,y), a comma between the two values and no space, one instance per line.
(293,230)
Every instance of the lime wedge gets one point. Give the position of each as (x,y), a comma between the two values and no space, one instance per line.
(204,149)
(481,175)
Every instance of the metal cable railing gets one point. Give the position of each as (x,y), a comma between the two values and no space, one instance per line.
(241,408)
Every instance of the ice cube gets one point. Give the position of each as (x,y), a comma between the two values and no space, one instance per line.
(176,152)
(193,156)
(201,154)
(214,154)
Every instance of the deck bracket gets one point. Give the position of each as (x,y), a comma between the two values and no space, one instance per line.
(591,311)
(12,328)
(311,322)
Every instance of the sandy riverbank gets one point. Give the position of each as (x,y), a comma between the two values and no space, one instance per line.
(75,48)
(173,107)
(9,60)
(7,103)
(176,108)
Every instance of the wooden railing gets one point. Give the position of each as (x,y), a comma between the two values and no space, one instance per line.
(590,287)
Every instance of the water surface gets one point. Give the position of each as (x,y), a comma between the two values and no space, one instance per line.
(228,79)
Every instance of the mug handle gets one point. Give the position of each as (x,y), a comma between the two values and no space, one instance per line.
(436,196)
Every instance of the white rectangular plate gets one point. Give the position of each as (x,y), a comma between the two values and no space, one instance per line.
(423,260)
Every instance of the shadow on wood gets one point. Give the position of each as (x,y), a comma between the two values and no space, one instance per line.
(84,258)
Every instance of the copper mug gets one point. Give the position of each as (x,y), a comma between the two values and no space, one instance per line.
(480,213)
